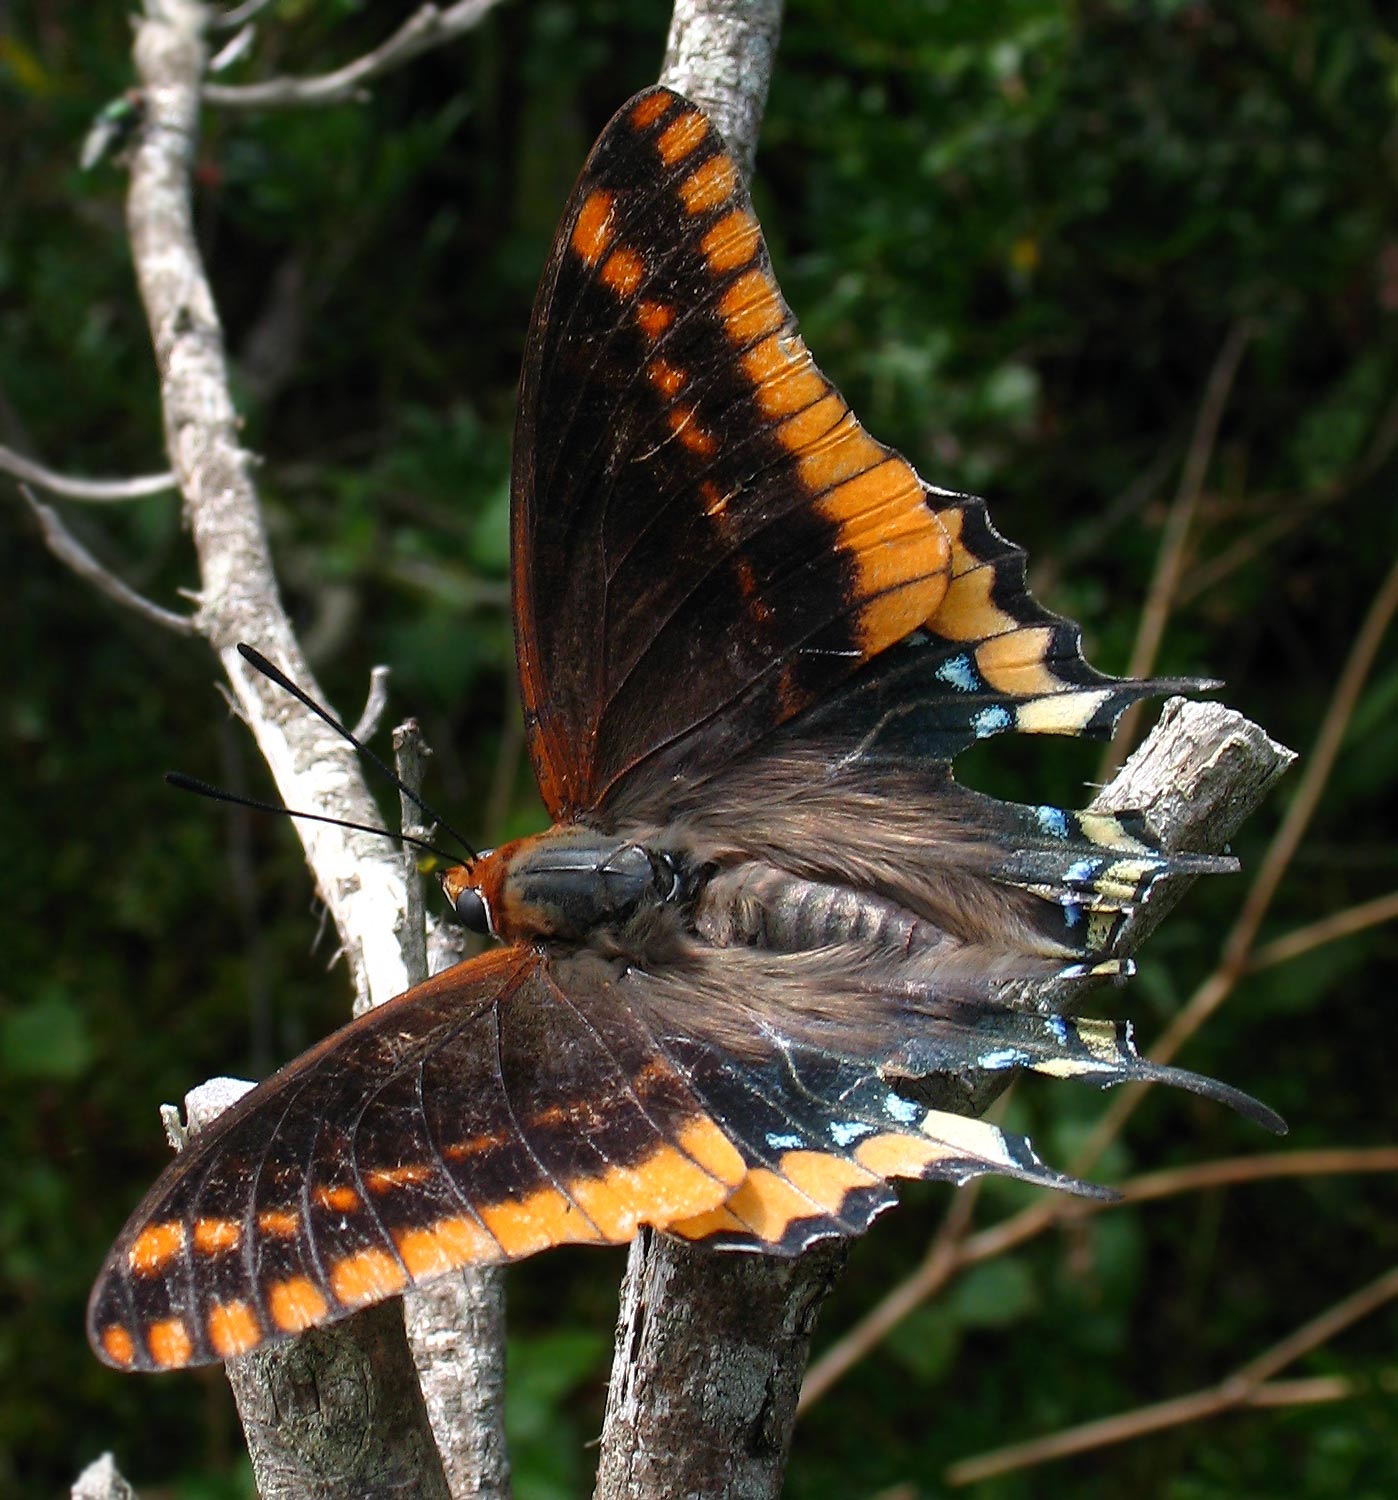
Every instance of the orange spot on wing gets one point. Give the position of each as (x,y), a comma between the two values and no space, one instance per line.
(341,1200)
(968,612)
(169,1343)
(668,379)
(666,1186)
(899,550)
(116,1341)
(701,1226)
(769,1206)
(704,1142)
(825,1179)
(784,376)
(444,1246)
(1014,662)
(842,452)
(279,1222)
(535,1222)
(649,110)
(295,1304)
(689,432)
(622,271)
(155,1246)
(366,1277)
(475,1146)
(751,308)
(732,242)
(899,1155)
(802,431)
(233,1329)
(214,1236)
(708,186)
(385,1179)
(715,501)
(654,318)
(681,136)
(592,231)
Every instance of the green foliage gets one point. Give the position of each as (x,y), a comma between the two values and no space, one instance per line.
(1017,233)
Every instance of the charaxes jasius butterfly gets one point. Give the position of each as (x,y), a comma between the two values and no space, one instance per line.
(751,640)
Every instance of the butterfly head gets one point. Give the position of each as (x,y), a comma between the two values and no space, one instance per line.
(466,887)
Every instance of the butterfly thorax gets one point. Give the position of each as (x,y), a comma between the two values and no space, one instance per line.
(572,883)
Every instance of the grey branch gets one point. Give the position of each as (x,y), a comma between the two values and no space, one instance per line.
(83,489)
(720,54)
(456,1326)
(71,552)
(349,1403)
(429,26)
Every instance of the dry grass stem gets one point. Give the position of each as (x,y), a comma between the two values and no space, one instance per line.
(1169,565)
(1241,1388)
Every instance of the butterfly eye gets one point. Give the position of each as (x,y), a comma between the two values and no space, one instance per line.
(472,911)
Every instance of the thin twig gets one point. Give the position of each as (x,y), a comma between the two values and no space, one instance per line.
(945,1261)
(83,489)
(429,26)
(72,554)
(1238,1389)
(374,706)
(240,14)
(1170,563)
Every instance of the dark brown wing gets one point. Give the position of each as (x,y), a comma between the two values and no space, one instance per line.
(702,532)
(475,1119)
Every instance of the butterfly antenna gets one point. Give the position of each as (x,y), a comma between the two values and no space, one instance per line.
(273,673)
(185,783)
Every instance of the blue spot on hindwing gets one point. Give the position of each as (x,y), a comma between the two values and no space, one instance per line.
(991,721)
(844,1132)
(959,672)
(1006,1057)
(900,1109)
(1052,821)
(785,1142)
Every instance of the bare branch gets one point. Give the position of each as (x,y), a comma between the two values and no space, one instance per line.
(1244,1387)
(1169,565)
(429,26)
(82,489)
(71,552)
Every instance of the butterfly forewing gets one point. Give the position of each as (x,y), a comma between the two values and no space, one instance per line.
(474,1120)
(687,482)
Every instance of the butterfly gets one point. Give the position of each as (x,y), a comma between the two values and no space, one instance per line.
(766,925)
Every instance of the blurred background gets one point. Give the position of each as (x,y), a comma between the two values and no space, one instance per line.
(1023,238)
